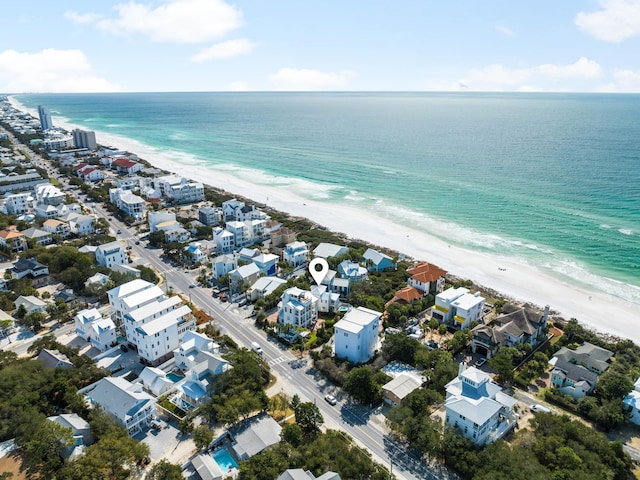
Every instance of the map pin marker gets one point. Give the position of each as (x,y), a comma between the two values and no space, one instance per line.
(318,275)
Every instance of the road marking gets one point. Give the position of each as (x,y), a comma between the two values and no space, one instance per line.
(276,361)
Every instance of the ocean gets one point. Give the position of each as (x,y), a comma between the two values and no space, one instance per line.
(550,181)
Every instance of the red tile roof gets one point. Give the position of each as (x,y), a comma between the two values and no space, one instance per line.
(407,295)
(426,272)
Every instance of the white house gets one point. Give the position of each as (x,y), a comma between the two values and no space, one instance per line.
(477,407)
(91,326)
(223,264)
(296,253)
(126,402)
(241,235)
(56,227)
(195,253)
(131,204)
(210,215)
(327,301)
(230,207)
(118,295)
(247,274)
(111,254)
(31,304)
(426,277)
(17,203)
(193,343)
(264,286)
(79,428)
(146,313)
(298,308)
(225,240)
(157,218)
(155,381)
(179,189)
(157,339)
(356,335)
(49,194)
(352,271)
(81,224)
(329,250)
(458,308)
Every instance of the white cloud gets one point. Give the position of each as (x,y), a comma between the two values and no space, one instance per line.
(80,18)
(615,22)
(223,50)
(625,81)
(505,30)
(238,86)
(302,79)
(547,77)
(175,21)
(50,70)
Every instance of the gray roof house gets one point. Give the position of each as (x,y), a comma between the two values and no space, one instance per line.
(572,379)
(54,359)
(80,429)
(591,357)
(300,474)
(253,435)
(126,402)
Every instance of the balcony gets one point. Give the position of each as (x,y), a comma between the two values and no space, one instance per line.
(441,308)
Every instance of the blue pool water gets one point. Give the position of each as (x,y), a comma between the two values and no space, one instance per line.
(174,377)
(224,459)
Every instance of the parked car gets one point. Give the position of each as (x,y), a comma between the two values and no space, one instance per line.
(540,408)
(124,348)
(223,297)
(480,362)
(331,400)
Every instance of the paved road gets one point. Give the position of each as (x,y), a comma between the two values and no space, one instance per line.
(365,427)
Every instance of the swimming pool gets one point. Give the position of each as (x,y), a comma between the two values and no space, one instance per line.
(224,459)
(174,377)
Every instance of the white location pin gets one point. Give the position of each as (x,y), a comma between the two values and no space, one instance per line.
(318,275)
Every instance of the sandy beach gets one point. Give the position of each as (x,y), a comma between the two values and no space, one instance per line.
(599,311)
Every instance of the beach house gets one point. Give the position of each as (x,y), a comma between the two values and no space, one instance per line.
(356,335)
(329,250)
(457,308)
(632,402)
(93,327)
(296,253)
(131,407)
(516,325)
(298,308)
(111,254)
(131,204)
(477,407)
(576,372)
(377,262)
(427,278)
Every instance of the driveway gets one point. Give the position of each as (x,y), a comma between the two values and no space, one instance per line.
(167,443)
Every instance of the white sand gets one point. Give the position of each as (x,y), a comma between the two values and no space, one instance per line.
(597,310)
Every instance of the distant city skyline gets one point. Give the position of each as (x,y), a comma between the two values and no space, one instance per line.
(278,45)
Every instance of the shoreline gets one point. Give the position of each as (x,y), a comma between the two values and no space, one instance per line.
(600,311)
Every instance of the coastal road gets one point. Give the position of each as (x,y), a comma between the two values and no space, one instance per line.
(366,428)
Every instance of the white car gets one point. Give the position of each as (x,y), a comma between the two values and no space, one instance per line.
(539,408)
(331,400)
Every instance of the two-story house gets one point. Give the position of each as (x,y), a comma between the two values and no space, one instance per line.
(458,308)
(111,254)
(356,335)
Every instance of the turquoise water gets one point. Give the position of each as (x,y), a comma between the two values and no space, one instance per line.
(549,180)
(224,459)
(174,377)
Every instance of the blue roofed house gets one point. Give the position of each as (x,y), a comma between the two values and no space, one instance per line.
(377,262)
(352,271)
(477,407)
(632,402)
(267,263)
(296,253)
(195,254)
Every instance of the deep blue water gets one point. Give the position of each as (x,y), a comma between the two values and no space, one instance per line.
(552,180)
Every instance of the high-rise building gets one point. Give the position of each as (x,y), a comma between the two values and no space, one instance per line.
(45,118)
(84,139)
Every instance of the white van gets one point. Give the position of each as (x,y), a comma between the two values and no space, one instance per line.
(256,348)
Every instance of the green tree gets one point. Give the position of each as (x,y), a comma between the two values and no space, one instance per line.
(202,436)
(164,470)
(361,385)
(309,418)
(44,448)
(292,433)
(502,363)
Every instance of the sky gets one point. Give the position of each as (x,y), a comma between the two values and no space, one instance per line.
(319,45)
